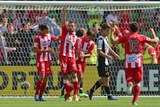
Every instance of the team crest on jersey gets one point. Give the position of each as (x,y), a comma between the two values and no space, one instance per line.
(148,38)
(35,44)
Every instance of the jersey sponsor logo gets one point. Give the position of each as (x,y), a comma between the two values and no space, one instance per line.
(133,57)
(148,38)
(35,44)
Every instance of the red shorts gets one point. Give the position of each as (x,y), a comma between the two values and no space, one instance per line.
(44,68)
(133,74)
(68,64)
(81,66)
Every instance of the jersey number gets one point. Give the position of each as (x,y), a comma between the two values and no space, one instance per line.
(134,45)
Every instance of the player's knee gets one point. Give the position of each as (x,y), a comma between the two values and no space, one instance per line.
(137,84)
(65,76)
(74,75)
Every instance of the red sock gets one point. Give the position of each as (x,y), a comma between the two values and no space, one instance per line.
(136,93)
(42,88)
(38,83)
(67,88)
(75,87)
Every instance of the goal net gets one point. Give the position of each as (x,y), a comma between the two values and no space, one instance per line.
(19,24)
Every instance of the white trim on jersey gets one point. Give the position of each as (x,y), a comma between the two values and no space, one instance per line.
(41,47)
(46,54)
(65,46)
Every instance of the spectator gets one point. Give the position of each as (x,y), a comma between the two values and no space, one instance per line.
(3,26)
(25,42)
(94,15)
(96,29)
(10,42)
(55,29)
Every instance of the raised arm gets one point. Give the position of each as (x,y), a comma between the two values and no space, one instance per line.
(113,38)
(64,16)
(155,38)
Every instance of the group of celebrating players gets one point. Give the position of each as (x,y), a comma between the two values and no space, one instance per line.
(74,50)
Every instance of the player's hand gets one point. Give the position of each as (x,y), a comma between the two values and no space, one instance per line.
(50,51)
(151,30)
(117,56)
(157,39)
(14,49)
(109,57)
(81,54)
(113,22)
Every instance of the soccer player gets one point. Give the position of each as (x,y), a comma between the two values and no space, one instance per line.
(133,43)
(67,57)
(86,47)
(43,51)
(103,49)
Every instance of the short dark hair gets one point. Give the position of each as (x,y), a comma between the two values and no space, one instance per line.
(105,26)
(23,24)
(80,33)
(91,33)
(10,24)
(134,27)
(43,27)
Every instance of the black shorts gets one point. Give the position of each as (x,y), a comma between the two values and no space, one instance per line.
(103,70)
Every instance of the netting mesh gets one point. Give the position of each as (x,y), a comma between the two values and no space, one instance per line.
(19,25)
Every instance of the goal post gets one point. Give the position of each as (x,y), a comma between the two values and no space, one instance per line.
(20,67)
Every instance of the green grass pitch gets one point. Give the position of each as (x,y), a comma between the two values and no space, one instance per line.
(96,102)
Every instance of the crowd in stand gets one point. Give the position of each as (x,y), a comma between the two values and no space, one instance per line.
(18,27)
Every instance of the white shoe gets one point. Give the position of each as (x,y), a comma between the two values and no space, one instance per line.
(134,103)
(129,88)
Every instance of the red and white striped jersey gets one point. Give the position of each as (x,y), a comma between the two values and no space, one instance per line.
(133,44)
(85,47)
(68,43)
(43,42)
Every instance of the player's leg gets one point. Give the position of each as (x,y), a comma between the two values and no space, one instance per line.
(129,79)
(105,81)
(79,75)
(98,82)
(137,79)
(38,83)
(64,72)
(68,87)
(44,79)
(81,67)
(73,68)
(75,86)
(43,87)
(62,89)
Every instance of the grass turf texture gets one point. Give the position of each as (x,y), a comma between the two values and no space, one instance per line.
(96,102)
